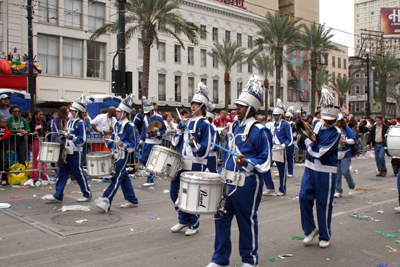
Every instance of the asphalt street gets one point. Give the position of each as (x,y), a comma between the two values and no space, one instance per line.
(36,233)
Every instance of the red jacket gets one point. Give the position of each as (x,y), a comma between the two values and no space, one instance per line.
(5,133)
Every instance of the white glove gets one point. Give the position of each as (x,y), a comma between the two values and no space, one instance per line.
(283,146)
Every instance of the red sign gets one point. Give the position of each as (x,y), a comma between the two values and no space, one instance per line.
(238,3)
(390,22)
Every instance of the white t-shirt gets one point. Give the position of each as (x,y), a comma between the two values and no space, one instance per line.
(103,122)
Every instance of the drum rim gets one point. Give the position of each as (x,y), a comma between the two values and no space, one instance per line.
(167,150)
(50,143)
(189,174)
(104,154)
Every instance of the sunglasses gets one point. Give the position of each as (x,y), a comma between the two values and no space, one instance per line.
(16,111)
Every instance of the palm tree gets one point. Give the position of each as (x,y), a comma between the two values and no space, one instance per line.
(385,66)
(149,17)
(342,85)
(228,55)
(277,31)
(322,78)
(317,38)
(266,66)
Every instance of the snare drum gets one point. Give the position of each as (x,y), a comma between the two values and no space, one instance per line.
(49,152)
(278,153)
(164,162)
(99,164)
(200,192)
(393,142)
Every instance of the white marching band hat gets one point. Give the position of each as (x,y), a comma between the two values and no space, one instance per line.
(147,107)
(329,110)
(210,111)
(291,111)
(81,103)
(253,94)
(279,108)
(126,104)
(201,95)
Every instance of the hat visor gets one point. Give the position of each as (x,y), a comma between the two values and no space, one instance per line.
(329,117)
(74,108)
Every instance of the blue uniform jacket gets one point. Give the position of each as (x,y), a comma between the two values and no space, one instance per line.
(127,135)
(294,132)
(348,134)
(322,156)
(77,129)
(147,121)
(257,148)
(203,137)
(283,133)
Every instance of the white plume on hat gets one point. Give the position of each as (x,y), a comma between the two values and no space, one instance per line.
(291,111)
(253,94)
(126,104)
(147,107)
(329,111)
(201,95)
(279,108)
(81,103)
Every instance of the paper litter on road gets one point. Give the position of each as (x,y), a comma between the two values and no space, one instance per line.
(75,208)
(285,256)
(166,191)
(393,250)
(81,221)
(380,212)
(4,205)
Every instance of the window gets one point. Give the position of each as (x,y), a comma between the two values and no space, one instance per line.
(333,75)
(178,89)
(357,90)
(345,64)
(357,107)
(227,36)
(290,75)
(298,72)
(339,63)
(333,61)
(48,54)
(161,51)
(250,42)
(160,27)
(305,55)
(140,48)
(250,67)
(72,57)
(215,35)
(350,92)
(95,60)
(203,57)
(306,96)
(177,53)
(357,75)
(190,55)
(161,87)
(239,88)
(190,88)
(305,75)
(47,11)
(72,13)
(203,28)
(366,75)
(239,67)
(215,60)
(204,80)
(96,15)
(215,92)
(298,54)
(339,75)
(365,89)
(239,39)
(140,76)
(290,94)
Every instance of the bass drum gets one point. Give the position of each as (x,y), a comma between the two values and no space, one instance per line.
(393,142)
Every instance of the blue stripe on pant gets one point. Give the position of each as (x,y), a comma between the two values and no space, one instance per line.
(244,205)
(192,220)
(268,180)
(282,169)
(144,156)
(290,159)
(74,164)
(212,164)
(121,177)
(319,187)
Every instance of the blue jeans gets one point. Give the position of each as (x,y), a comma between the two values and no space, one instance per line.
(380,158)
(343,168)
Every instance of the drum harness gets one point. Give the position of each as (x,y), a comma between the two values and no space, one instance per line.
(116,151)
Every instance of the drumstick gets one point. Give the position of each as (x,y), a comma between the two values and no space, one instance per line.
(115,141)
(195,143)
(233,154)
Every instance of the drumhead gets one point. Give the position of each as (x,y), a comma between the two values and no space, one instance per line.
(393,141)
(167,150)
(99,154)
(201,175)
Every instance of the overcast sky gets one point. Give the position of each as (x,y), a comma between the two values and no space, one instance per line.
(339,14)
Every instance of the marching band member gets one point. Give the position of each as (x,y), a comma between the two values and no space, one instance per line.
(283,136)
(193,141)
(253,141)
(75,140)
(212,157)
(124,142)
(290,113)
(147,141)
(319,178)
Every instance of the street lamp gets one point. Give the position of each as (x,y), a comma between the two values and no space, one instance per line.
(367,51)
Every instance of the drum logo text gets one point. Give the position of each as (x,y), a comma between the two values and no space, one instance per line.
(102,165)
(203,194)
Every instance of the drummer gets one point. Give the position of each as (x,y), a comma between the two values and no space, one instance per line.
(244,202)
(290,114)
(148,140)
(195,149)
(212,156)
(75,140)
(124,141)
(283,137)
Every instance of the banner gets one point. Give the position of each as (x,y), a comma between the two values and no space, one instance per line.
(390,22)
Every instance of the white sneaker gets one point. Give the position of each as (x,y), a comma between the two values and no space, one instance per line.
(276,174)
(147,184)
(129,205)
(290,175)
(338,195)
(397,209)
(51,198)
(103,203)
(323,244)
(310,237)
(268,192)
(178,227)
(212,264)
(352,192)
(4,182)
(191,231)
(280,194)
(83,199)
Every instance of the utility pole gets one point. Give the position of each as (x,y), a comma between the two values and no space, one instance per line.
(31,85)
(121,47)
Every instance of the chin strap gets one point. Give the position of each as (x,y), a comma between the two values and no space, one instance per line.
(245,116)
(194,112)
(327,125)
